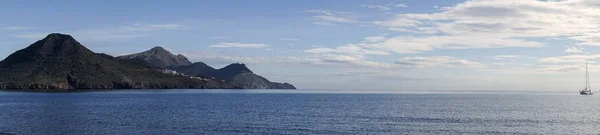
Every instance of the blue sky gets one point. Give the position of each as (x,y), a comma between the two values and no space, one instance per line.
(351,44)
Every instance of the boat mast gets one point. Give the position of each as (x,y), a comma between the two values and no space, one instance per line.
(587,78)
(587,74)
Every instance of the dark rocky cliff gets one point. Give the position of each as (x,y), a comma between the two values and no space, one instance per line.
(60,62)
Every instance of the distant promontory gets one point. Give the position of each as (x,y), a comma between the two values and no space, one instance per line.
(237,73)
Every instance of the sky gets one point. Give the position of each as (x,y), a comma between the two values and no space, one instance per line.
(351,44)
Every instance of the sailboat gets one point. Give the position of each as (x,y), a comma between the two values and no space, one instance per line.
(587,90)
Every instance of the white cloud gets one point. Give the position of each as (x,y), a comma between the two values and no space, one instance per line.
(561,68)
(386,7)
(347,49)
(437,61)
(147,27)
(400,21)
(319,60)
(401,5)
(499,57)
(81,35)
(289,39)
(495,24)
(500,63)
(15,28)
(331,18)
(218,57)
(327,17)
(238,45)
(323,23)
(410,44)
(378,7)
(374,39)
(30,35)
(547,69)
(571,59)
(126,32)
(574,50)
(349,60)
(417,30)
(573,67)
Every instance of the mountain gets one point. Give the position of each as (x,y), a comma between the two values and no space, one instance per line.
(195,69)
(236,72)
(159,57)
(60,62)
(229,72)
(253,81)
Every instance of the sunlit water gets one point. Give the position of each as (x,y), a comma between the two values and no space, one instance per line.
(297,112)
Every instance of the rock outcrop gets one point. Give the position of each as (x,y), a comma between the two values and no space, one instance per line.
(60,62)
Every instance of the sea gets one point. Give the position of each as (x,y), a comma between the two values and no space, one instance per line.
(154,112)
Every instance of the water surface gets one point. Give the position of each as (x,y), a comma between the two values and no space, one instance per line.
(297,112)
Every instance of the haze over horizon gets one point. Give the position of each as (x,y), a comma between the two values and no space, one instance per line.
(355,44)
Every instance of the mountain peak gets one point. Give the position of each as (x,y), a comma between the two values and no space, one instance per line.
(56,44)
(58,36)
(158,48)
(237,68)
(160,57)
(58,39)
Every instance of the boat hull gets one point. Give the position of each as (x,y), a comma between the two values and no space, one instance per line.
(586,93)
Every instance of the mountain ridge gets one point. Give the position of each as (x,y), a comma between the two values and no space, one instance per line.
(238,73)
(60,62)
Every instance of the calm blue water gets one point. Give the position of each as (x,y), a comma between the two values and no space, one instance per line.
(243,112)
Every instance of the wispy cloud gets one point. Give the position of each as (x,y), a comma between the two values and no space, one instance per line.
(495,24)
(574,50)
(319,60)
(571,59)
(500,57)
(378,7)
(348,49)
(15,28)
(401,5)
(437,61)
(374,39)
(30,35)
(147,27)
(323,23)
(289,39)
(414,44)
(332,18)
(238,45)
(327,18)
(386,7)
(123,32)
(500,63)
